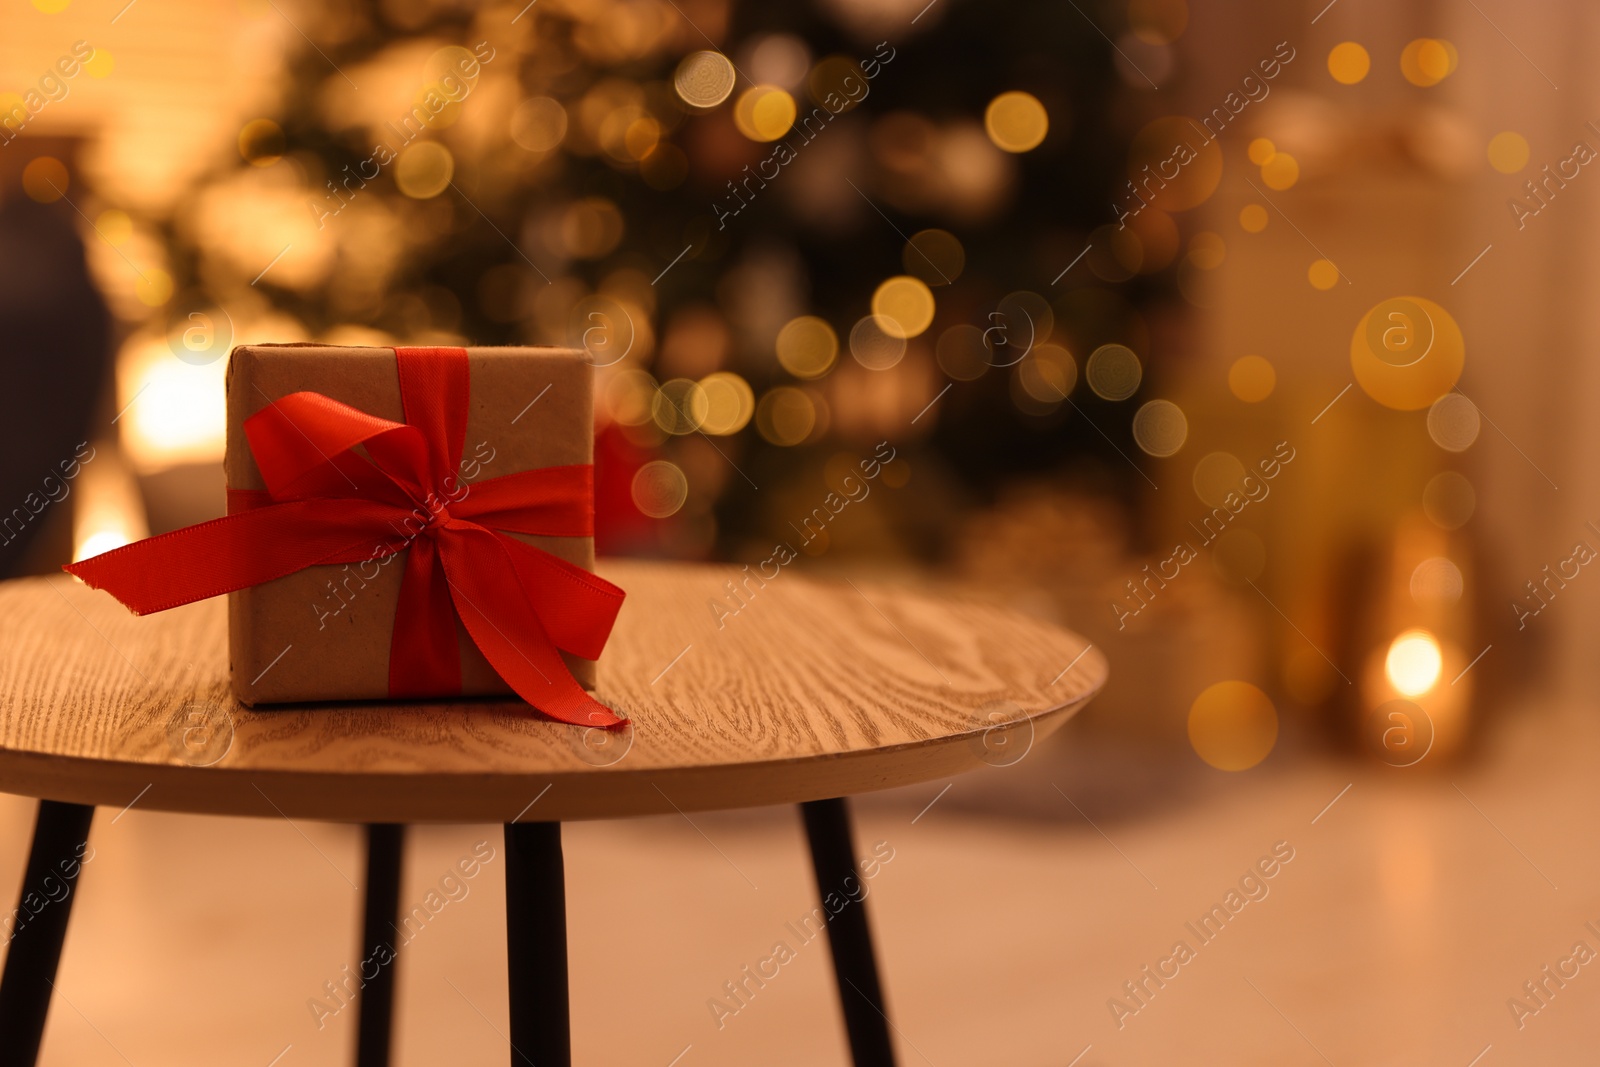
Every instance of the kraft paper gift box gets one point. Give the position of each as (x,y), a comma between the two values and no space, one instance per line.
(323,633)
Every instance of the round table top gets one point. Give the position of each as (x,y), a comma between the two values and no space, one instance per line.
(812,690)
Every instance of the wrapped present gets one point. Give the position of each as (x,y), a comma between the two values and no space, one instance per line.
(402,523)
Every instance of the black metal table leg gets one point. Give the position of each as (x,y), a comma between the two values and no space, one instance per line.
(855,968)
(38,927)
(375,1002)
(536,945)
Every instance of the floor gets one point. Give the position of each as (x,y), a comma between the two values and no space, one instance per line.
(1404,912)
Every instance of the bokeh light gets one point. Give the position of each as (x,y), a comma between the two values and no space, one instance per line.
(1261,151)
(680,406)
(807,347)
(730,403)
(114,226)
(539,124)
(1160,428)
(764,113)
(1427,61)
(1281,171)
(1113,372)
(903,306)
(100,64)
(1508,152)
(424,169)
(1233,725)
(704,79)
(1413,662)
(1215,476)
(1047,375)
(1436,582)
(1253,218)
(1453,422)
(1016,121)
(1349,63)
(1322,274)
(877,344)
(1251,379)
(660,488)
(1407,352)
(786,416)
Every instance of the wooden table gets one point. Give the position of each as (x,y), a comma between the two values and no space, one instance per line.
(812,692)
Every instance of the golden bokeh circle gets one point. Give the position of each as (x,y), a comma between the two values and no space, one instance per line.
(1281,171)
(876,343)
(1253,218)
(1407,352)
(1178,146)
(680,406)
(807,347)
(261,142)
(1322,274)
(962,354)
(1160,428)
(1508,152)
(1113,372)
(1436,582)
(1349,63)
(1047,374)
(903,305)
(154,287)
(1016,121)
(730,403)
(1233,725)
(764,113)
(660,488)
(424,170)
(786,415)
(1427,61)
(115,226)
(45,179)
(704,79)
(100,64)
(1252,379)
(1261,151)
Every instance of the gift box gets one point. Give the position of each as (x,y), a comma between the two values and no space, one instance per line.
(402,523)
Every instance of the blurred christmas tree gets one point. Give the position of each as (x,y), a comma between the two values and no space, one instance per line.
(784,232)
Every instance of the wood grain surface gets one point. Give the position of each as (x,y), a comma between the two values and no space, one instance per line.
(811,690)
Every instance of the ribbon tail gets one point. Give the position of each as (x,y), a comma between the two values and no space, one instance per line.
(232,553)
(508,631)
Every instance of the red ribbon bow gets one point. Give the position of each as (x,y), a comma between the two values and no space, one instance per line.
(327,504)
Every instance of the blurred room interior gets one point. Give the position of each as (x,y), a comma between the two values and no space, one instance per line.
(1125,285)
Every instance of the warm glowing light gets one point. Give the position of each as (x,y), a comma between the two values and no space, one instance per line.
(877,343)
(175,411)
(1261,151)
(786,416)
(1427,61)
(660,488)
(1322,274)
(935,256)
(115,226)
(807,347)
(1160,428)
(1348,63)
(1281,171)
(99,542)
(539,124)
(1453,422)
(1414,662)
(680,406)
(1407,352)
(704,79)
(107,510)
(729,403)
(764,113)
(1016,122)
(1233,726)
(424,170)
(1113,372)
(154,287)
(1508,152)
(1253,217)
(904,306)
(1251,379)
(100,64)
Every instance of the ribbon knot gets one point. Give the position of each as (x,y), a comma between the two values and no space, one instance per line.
(343,486)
